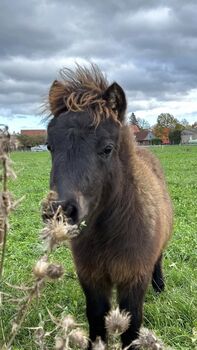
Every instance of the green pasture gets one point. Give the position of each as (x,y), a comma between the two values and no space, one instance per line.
(172,315)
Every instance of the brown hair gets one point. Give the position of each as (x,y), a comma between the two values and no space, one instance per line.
(79,90)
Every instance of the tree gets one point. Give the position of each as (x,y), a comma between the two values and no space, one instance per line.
(194,125)
(139,122)
(133,119)
(167,120)
(166,124)
(31,141)
(184,122)
(161,133)
(156,141)
(143,123)
(175,136)
(179,126)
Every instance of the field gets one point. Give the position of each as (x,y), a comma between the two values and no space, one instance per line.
(172,315)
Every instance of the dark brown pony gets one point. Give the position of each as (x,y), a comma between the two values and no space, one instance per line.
(119,190)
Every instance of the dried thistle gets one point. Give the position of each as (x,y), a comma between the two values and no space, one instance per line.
(41,267)
(59,343)
(69,334)
(2,225)
(98,344)
(147,340)
(68,323)
(5,144)
(46,204)
(82,225)
(6,201)
(54,271)
(45,269)
(117,322)
(78,338)
(7,164)
(23,310)
(39,337)
(41,270)
(58,230)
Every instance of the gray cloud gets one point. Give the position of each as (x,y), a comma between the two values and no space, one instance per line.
(149,47)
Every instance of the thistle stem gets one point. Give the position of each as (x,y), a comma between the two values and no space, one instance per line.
(5,214)
(22,313)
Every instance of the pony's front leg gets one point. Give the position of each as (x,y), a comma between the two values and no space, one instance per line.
(130,298)
(97,306)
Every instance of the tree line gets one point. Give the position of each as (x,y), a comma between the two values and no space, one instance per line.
(27,142)
(167,127)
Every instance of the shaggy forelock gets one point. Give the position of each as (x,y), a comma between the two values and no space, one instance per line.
(81,90)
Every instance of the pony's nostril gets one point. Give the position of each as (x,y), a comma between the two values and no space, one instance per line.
(71,212)
(69,208)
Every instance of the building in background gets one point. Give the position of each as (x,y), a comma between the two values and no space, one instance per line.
(144,137)
(35,132)
(189,136)
(32,138)
(134,128)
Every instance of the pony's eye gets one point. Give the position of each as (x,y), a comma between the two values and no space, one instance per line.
(106,151)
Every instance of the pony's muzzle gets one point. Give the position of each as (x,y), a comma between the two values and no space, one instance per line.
(74,207)
(70,209)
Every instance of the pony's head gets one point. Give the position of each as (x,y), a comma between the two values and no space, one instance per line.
(84,140)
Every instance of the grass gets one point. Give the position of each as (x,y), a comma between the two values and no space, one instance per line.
(172,315)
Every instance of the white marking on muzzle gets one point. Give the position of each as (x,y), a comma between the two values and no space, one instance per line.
(83,205)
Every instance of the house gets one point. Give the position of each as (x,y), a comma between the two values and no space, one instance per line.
(35,132)
(189,136)
(134,128)
(144,137)
(31,138)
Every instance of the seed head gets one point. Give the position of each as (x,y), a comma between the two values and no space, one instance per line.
(78,338)
(147,340)
(117,322)
(51,197)
(98,344)
(46,204)
(59,343)
(68,322)
(54,271)
(40,269)
(58,230)
(14,326)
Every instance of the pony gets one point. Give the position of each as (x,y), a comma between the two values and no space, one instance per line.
(102,177)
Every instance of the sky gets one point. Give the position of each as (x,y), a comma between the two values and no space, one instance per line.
(148,47)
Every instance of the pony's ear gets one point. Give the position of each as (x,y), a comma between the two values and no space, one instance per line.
(56,98)
(116,100)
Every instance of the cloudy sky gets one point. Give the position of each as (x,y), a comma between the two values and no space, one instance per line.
(149,47)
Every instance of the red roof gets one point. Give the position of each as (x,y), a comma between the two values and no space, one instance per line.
(36,132)
(134,128)
(141,135)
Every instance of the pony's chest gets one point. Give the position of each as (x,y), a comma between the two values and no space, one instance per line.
(96,262)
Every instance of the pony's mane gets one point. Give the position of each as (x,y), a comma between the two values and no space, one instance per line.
(79,90)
